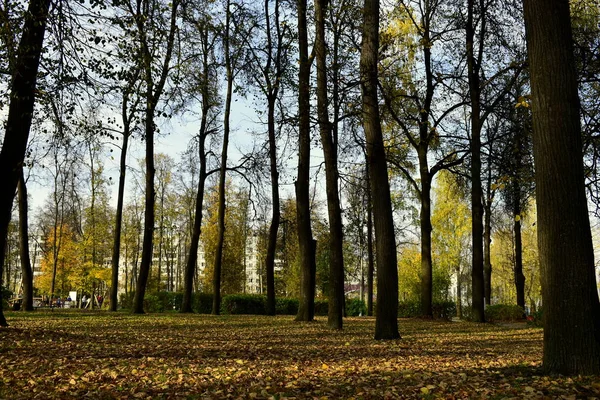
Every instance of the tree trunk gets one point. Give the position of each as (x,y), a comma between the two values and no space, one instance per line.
(276,214)
(329,142)
(306,248)
(386,325)
(425,220)
(26,271)
(487,242)
(370,252)
(149,213)
(20,111)
(459,312)
(153,93)
(114,287)
(571,306)
(476,189)
(216,308)
(519,277)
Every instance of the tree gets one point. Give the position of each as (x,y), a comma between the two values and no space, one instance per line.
(204,84)
(329,142)
(571,306)
(145,14)
(20,112)
(413,101)
(26,271)
(386,325)
(306,244)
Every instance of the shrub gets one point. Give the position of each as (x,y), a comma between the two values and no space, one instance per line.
(321,307)
(6,295)
(444,310)
(441,309)
(202,302)
(126,300)
(355,307)
(409,309)
(153,303)
(243,304)
(503,312)
(536,318)
(286,306)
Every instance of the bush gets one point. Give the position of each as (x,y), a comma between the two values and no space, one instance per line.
(536,318)
(286,306)
(126,300)
(444,310)
(243,304)
(202,303)
(6,295)
(441,310)
(355,307)
(409,309)
(153,303)
(321,307)
(503,312)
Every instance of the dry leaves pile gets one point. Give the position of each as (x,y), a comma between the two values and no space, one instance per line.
(171,356)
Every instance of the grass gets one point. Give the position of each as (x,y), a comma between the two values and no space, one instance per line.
(97,355)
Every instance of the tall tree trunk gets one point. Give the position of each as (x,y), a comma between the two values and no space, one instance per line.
(276,214)
(20,112)
(386,325)
(425,220)
(518,270)
(306,248)
(192,257)
(459,312)
(26,271)
(473,64)
(329,142)
(487,241)
(272,93)
(114,287)
(216,308)
(370,252)
(571,306)
(153,93)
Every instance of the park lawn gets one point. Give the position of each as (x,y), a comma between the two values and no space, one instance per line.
(97,355)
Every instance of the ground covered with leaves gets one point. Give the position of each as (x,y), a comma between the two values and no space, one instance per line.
(73,355)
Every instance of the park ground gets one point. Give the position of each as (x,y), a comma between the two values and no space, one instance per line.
(97,355)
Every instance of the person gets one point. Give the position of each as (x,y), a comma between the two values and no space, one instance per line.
(59,302)
(83,301)
(100,300)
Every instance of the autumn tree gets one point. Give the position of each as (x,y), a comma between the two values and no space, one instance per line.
(416,103)
(20,111)
(155,25)
(571,306)
(386,326)
(305,238)
(202,87)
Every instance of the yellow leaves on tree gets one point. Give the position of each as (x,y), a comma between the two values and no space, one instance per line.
(62,253)
(236,231)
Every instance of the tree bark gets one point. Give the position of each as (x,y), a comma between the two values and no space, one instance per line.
(370,252)
(473,64)
(518,270)
(306,247)
(571,306)
(386,325)
(216,307)
(20,112)
(487,242)
(153,93)
(329,142)
(116,251)
(26,271)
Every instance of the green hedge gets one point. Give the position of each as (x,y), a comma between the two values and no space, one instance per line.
(286,306)
(243,304)
(355,307)
(6,295)
(234,304)
(503,312)
(441,310)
